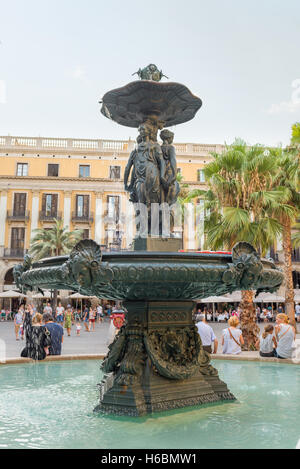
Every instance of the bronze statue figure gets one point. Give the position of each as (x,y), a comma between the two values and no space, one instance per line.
(147,167)
(150,73)
(170,185)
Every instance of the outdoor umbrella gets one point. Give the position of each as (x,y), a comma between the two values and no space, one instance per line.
(47,294)
(269,298)
(11,294)
(215,299)
(235,297)
(79,296)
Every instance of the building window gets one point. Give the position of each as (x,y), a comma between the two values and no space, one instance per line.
(53,170)
(22,169)
(84,171)
(200,175)
(296,279)
(115,172)
(179,171)
(113,208)
(17,242)
(19,204)
(50,205)
(82,206)
(86,234)
(296,255)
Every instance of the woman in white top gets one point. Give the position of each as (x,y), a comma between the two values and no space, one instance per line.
(285,336)
(267,342)
(232,339)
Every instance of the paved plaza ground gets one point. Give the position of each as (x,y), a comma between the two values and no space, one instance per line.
(88,343)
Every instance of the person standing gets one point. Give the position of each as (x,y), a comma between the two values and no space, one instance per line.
(208,338)
(18,322)
(86,320)
(60,313)
(232,338)
(99,313)
(48,309)
(69,319)
(92,319)
(38,338)
(297,312)
(56,334)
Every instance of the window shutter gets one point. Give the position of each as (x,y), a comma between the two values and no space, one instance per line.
(54,200)
(19,204)
(86,205)
(44,203)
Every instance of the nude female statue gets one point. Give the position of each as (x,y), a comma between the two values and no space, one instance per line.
(148,168)
(170,185)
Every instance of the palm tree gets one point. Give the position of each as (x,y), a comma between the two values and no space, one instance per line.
(295,140)
(55,241)
(289,176)
(296,236)
(242,199)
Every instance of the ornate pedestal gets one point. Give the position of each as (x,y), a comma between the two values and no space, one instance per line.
(158,244)
(158,363)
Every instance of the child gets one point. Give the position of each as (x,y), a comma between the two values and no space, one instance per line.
(78,328)
(267,342)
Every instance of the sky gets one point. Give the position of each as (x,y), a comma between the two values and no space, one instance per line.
(59,57)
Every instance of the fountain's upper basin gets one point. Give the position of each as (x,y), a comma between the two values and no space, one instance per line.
(131,105)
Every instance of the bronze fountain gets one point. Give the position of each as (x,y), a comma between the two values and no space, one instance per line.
(156,362)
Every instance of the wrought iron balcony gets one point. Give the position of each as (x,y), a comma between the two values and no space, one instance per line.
(85,218)
(12,253)
(14,215)
(46,216)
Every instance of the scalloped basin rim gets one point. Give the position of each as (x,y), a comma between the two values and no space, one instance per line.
(122,255)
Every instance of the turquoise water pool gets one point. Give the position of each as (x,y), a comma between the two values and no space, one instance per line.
(50,405)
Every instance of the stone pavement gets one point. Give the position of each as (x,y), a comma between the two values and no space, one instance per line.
(86,343)
(95,343)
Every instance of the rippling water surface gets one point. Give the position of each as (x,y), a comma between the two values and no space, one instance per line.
(50,405)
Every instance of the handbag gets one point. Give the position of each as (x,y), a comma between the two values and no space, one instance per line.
(238,343)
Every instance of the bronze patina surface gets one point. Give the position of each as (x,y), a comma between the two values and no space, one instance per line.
(169,103)
(157,361)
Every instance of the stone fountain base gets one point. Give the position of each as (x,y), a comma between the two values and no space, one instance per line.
(157,363)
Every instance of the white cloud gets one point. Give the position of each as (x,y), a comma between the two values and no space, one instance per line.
(292,105)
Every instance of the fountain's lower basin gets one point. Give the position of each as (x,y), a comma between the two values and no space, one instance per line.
(157,361)
(66,393)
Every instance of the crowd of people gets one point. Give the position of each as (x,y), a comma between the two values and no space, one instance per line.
(263,314)
(278,341)
(43,331)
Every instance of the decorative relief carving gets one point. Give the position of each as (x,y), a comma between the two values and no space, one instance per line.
(120,279)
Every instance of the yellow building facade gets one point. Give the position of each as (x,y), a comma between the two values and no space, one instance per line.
(81,182)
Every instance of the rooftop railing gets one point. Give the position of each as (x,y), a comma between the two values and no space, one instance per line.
(117,146)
